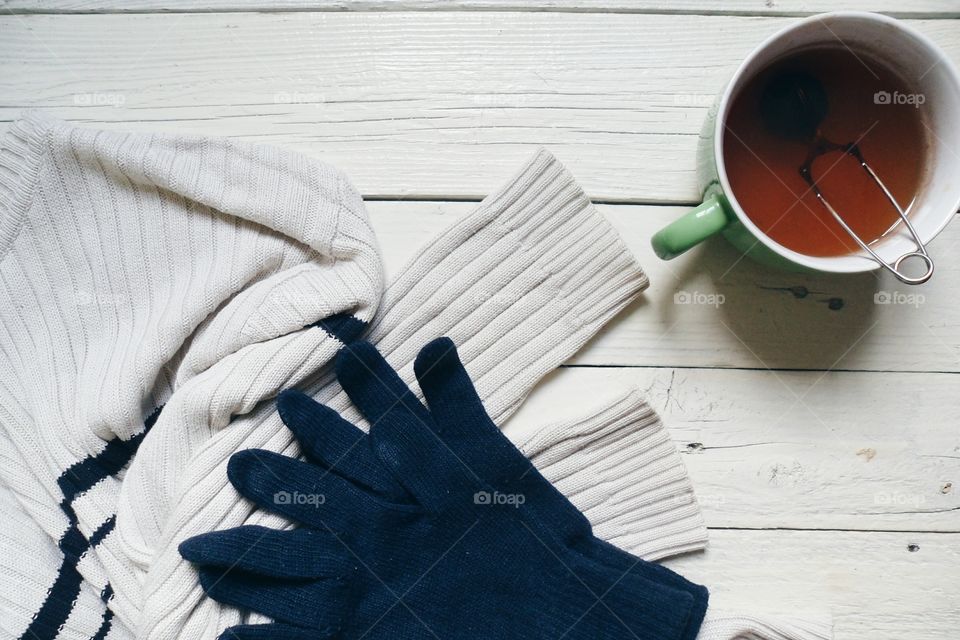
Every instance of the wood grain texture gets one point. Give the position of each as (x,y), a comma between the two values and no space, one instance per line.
(410,105)
(918,8)
(712,308)
(819,426)
(874,585)
(791,450)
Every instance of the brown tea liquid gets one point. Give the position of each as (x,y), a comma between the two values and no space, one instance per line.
(867,104)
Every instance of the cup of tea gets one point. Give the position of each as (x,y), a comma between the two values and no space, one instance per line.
(835,147)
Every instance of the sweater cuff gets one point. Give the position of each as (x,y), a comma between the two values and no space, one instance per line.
(519,285)
(20,152)
(723,626)
(618,465)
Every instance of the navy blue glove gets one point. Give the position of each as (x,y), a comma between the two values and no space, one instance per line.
(463,425)
(459,420)
(398,541)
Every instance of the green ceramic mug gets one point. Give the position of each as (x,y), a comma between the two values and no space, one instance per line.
(905,50)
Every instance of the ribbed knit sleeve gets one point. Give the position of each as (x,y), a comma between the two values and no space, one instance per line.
(519,285)
(619,466)
(19,166)
(730,626)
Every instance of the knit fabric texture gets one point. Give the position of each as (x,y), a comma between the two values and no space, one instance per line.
(142,271)
(520,284)
(720,625)
(441,552)
(618,464)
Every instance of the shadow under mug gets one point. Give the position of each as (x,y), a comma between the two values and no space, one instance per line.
(907,52)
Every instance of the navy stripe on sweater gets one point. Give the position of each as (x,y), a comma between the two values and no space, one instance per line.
(342,326)
(58,605)
(74,481)
(84,475)
(107,618)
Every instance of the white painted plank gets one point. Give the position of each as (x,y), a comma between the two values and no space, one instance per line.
(799,450)
(749,315)
(418,104)
(768,318)
(918,8)
(875,586)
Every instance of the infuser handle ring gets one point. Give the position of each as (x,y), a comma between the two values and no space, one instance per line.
(927,261)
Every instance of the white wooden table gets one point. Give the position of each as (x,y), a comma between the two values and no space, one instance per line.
(822,430)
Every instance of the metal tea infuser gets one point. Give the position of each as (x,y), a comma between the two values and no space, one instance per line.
(792,106)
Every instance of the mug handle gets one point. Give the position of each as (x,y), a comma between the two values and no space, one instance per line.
(693,228)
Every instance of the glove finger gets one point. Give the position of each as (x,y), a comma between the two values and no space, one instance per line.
(464,426)
(399,432)
(313,604)
(449,392)
(303,492)
(333,443)
(374,387)
(460,420)
(273,631)
(300,553)
(424,465)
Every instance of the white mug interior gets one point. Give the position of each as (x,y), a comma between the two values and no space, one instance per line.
(914,57)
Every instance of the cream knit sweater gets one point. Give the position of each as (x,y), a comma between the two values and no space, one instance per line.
(519,285)
(201,276)
(138,271)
